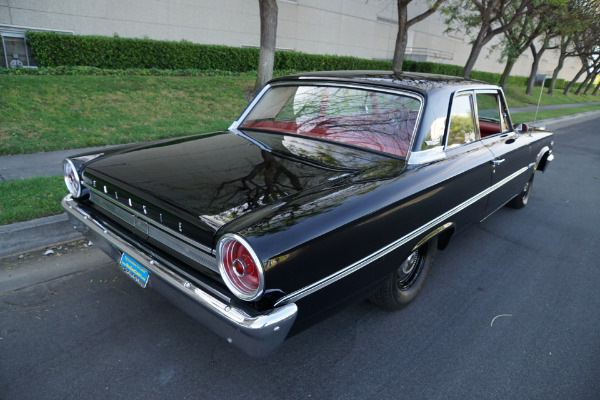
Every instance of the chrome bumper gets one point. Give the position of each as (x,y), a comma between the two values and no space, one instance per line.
(257,336)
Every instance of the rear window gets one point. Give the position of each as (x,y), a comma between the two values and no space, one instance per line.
(370,119)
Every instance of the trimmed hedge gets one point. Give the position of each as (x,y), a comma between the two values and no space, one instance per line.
(153,57)
(82,70)
(52,49)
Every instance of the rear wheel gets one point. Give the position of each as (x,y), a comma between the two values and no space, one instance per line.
(409,278)
(522,198)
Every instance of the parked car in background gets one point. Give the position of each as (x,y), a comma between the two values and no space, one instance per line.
(329,189)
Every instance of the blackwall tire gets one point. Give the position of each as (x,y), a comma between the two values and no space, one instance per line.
(408,279)
(522,198)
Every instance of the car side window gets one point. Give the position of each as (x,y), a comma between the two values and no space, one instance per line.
(461,129)
(489,114)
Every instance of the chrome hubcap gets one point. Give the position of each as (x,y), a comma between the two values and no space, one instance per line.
(409,264)
(526,191)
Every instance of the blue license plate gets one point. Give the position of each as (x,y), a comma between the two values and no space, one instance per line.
(134,270)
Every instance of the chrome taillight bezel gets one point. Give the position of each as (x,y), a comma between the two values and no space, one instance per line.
(72,178)
(246,295)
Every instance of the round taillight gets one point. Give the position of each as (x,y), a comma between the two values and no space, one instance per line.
(72,178)
(240,268)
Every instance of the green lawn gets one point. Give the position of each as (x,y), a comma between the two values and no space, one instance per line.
(516,97)
(30,198)
(45,113)
(529,116)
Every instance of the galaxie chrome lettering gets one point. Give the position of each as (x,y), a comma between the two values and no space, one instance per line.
(198,251)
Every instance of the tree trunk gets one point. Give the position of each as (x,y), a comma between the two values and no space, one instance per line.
(589,86)
(561,63)
(595,93)
(583,84)
(268,36)
(506,74)
(570,85)
(537,57)
(478,44)
(401,38)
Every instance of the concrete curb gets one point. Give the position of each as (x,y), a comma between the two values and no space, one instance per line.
(554,123)
(47,231)
(42,232)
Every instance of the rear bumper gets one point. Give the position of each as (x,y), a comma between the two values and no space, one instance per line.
(256,335)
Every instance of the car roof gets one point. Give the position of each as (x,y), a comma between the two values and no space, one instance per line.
(420,81)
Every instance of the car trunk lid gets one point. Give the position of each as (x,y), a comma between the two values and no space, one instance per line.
(195,185)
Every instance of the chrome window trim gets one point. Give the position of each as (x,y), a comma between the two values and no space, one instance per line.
(327,82)
(168,230)
(336,276)
(427,156)
(235,125)
(430,157)
(471,94)
(501,106)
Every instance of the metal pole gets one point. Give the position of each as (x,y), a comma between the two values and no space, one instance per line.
(539,101)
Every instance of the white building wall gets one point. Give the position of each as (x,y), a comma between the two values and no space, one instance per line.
(339,27)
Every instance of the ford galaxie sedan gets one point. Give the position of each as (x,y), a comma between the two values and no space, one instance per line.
(329,189)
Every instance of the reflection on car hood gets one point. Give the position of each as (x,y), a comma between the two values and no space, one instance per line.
(211,179)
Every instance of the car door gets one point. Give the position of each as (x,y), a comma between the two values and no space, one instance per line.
(468,159)
(511,151)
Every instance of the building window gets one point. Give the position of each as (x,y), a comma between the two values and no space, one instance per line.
(15,51)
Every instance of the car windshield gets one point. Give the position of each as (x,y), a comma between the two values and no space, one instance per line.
(369,119)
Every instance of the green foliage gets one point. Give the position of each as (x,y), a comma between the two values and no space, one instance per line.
(53,50)
(21,200)
(46,113)
(59,54)
(82,70)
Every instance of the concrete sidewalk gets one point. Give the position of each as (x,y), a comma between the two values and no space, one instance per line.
(23,166)
(25,236)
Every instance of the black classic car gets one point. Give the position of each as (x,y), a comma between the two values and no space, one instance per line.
(329,189)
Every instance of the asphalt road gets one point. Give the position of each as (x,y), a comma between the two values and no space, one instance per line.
(510,311)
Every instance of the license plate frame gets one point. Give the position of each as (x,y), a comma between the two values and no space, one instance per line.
(134,270)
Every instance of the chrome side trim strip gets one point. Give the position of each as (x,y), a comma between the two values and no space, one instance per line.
(336,276)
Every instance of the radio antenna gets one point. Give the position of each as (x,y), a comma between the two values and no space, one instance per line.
(539,101)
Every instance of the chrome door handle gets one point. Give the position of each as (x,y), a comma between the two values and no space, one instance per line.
(498,162)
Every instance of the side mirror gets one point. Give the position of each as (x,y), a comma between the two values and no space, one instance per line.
(521,129)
